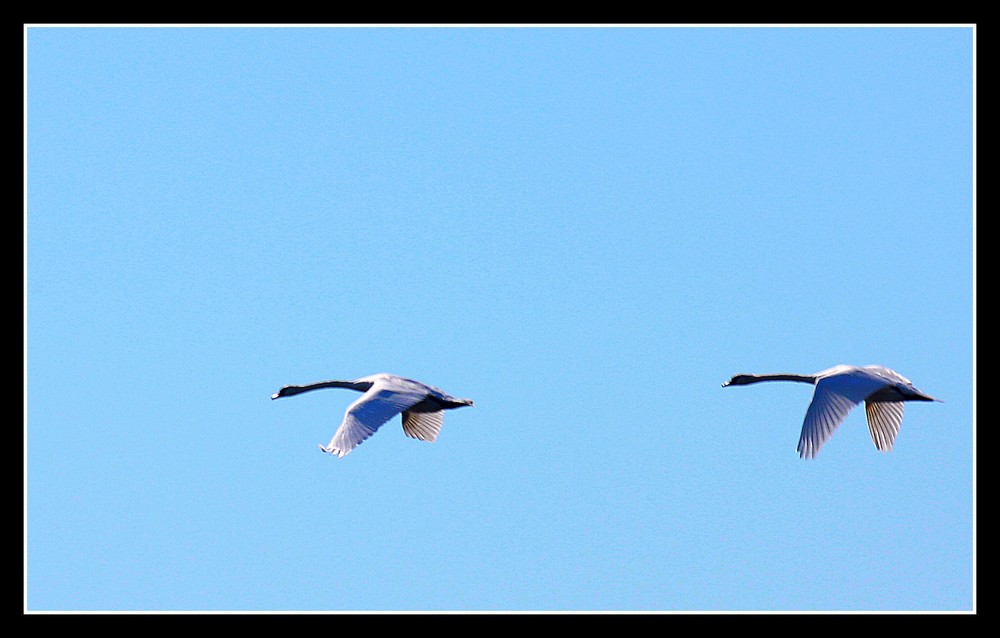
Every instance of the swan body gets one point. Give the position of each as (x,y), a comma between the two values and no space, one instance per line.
(384,396)
(838,390)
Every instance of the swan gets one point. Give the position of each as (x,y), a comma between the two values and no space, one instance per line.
(838,390)
(385,396)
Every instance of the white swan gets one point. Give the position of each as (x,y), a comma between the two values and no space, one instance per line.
(385,396)
(838,390)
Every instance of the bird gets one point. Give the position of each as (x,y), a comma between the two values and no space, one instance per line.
(838,390)
(385,396)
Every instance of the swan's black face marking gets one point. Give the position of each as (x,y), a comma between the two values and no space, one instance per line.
(281,393)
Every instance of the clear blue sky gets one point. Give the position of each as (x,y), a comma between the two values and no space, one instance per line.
(586,230)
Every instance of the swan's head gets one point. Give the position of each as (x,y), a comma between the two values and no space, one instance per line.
(740,379)
(286,391)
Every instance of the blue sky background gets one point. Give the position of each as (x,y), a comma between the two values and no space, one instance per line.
(586,230)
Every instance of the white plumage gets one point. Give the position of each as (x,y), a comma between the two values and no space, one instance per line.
(838,390)
(385,396)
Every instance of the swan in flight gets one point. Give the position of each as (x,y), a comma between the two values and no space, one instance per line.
(385,396)
(838,390)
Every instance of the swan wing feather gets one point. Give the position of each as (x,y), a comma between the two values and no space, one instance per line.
(424,426)
(366,415)
(835,396)
(884,421)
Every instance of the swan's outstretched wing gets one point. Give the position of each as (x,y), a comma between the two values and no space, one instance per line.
(835,396)
(825,413)
(366,415)
(422,425)
(884,421)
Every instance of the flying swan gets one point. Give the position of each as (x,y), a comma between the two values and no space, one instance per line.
(838,390)
(385,396)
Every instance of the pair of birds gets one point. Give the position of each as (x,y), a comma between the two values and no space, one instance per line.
(838,390)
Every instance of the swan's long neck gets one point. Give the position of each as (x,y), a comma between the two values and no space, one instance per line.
(289,390)
(747,379)
(802,378)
